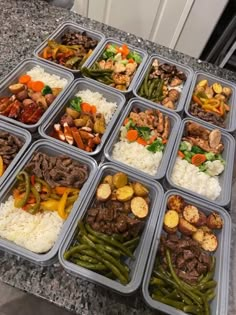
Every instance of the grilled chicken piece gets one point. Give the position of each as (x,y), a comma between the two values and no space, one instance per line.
(166,132)
(203,144)
(102,64)
(160,126)
(130,68)
(109,65)
(119,67)
(214,138)
(123,79)
(195,130)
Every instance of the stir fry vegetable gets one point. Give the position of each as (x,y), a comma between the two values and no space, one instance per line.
(116,67)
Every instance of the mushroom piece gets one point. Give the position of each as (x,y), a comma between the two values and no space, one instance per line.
(175,82)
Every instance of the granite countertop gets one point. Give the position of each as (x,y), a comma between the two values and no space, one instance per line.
(25,24)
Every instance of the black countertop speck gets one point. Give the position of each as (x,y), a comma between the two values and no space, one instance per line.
(24,25)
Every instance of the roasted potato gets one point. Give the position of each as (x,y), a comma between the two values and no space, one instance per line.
(202,83)
(73,113)
(198,236)
(221,97)
(202,219)
(214,221)
(191,214)
(139,207)
(108,180)
(169,230)
(103,192)
(124,193)
(185,227)
(217,88)
(16,88)
(140,190)
(100,124)
(176,202)
(120,180)
(206,229)
(227,91)
(209,242)
(171,219)
(113,195)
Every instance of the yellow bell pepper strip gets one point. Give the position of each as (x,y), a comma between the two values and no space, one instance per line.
(19,203)
(1,166)
(62,205)
(213,102)
(61,189)
(49,205)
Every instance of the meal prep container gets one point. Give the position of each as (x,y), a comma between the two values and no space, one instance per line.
(132,48)
(48,147)
(143,105)
(219,305)
(25,137)
(225,179)
(184,93)
(141,253)
(230,122)
(79,85)
(70,27)
(22,68)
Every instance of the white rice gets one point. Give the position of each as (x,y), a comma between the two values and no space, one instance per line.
(103,106)
(137,156)
(37,73)
(36,233)
(187,175)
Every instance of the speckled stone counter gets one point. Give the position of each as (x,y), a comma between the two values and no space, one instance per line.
(24,24)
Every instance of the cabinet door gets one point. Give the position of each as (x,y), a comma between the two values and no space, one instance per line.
(132,16)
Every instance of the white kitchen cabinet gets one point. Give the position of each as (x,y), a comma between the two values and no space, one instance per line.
(184,25)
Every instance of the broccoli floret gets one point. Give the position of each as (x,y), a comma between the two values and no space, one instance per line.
(219,157)
(210,156)
(196,150)
(188,156)
(202,168)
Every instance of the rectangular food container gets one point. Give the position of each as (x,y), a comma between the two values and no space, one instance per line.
(230,122)
(25,137)
(54,150)
(22,68)
(78,85)
(141,253)
(132,48)
(70,27)
(143,105)
(225,178)
(219,305)
(184,68)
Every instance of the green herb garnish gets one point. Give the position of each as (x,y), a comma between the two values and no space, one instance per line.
(75,103)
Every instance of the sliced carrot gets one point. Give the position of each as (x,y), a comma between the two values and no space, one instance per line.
(86,107)
(198,159)
(164,141)
(124,50)
(77,138)
(24,79)
(181,155)
(142,141)
(60,190)
(131,60)
(93,109)
(126,121)
(37,86)
(151,140)
(227,108)
(196,100)
(132,135)
(29,84)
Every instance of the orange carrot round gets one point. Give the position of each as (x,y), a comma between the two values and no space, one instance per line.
(93,109)
(24,79)
(126,121)
(142,141)
(37,86)
(198,159)
(29,84)
(181,155)
(86,107)
(132,135)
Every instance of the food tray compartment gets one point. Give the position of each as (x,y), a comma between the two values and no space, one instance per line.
(22,68)
(230,122)
(184,93)
(143,105)
(225,178)
(70,27)
(25,137)
(132,48)
(82,84)
(141,253)
(53,150)
(220,303)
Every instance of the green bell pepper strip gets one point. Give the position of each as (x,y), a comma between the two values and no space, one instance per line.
(21,202)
